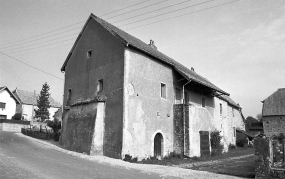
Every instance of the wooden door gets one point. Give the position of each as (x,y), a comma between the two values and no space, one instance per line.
(158,142)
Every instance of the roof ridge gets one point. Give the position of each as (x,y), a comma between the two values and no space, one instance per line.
(128,39)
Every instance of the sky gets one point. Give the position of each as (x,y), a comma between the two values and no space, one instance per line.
(237,45)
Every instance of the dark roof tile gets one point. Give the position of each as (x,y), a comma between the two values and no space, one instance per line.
(274,104)
(27,97)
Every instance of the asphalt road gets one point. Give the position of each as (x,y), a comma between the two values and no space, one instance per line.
(21,158)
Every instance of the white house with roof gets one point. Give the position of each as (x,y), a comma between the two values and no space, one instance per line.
(8,103)
(28,103)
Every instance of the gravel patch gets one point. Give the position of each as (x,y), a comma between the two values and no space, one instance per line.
(164,171)
(212,162)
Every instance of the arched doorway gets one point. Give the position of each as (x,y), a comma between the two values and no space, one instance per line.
(158,145)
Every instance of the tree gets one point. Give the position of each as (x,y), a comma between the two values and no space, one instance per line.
(248,122)
(259,117)
(43,103)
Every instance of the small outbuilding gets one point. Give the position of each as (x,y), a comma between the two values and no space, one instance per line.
(273,113)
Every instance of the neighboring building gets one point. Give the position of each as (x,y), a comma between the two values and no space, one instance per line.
(124,97)
(58,114)
(8,103)
(28,103)
(273,113)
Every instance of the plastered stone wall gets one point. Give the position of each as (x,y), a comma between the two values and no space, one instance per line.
(82,75)
(199,120)
(12,127)
(145,112)
(273,125)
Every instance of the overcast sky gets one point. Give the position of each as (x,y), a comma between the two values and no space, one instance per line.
(237,46)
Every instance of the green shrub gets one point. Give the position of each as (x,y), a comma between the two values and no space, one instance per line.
(56,126)
(17,116)
(129,158)
(173,155)
(241,140)
(232,146)
(217,147)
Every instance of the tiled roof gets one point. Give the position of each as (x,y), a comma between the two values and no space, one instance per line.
(229,100)
(130,40)
(58,113)
(274,104)
(12,95)
(27,97)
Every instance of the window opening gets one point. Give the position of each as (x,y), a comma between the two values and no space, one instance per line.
(100,85)
(2,105)
(163,90)
(89,53)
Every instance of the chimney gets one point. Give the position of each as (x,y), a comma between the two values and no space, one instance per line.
(192,69)
(151,43)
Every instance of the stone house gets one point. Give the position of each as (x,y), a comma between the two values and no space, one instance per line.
(28,103)
(124,97)
(273,113)
(8,103)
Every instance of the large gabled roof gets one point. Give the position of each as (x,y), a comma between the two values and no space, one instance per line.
(132,41)
(230,101)
(11,94)
(30,98)
(274,104)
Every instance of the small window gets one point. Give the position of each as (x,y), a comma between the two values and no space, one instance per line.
(221,109)
(89,53)
(233,112)
(3,117)
(234,131)
(203,102)
(163,90)
(2,105)
(100,85)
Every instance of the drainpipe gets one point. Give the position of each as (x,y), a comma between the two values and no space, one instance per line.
(184,120)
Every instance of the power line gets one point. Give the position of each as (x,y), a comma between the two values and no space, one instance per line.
(30,66)
(146,19)
(45,41)
(10,71)
(183,15)
(45,37)
(44,49)
(136,9)
(123,8)
(74,24)
(43,45)
(116,21)
(167,13)
(152,11)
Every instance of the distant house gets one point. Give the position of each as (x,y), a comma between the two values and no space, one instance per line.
(28,103)
(58,114)
(8,103)
(124,97)
(273,113)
